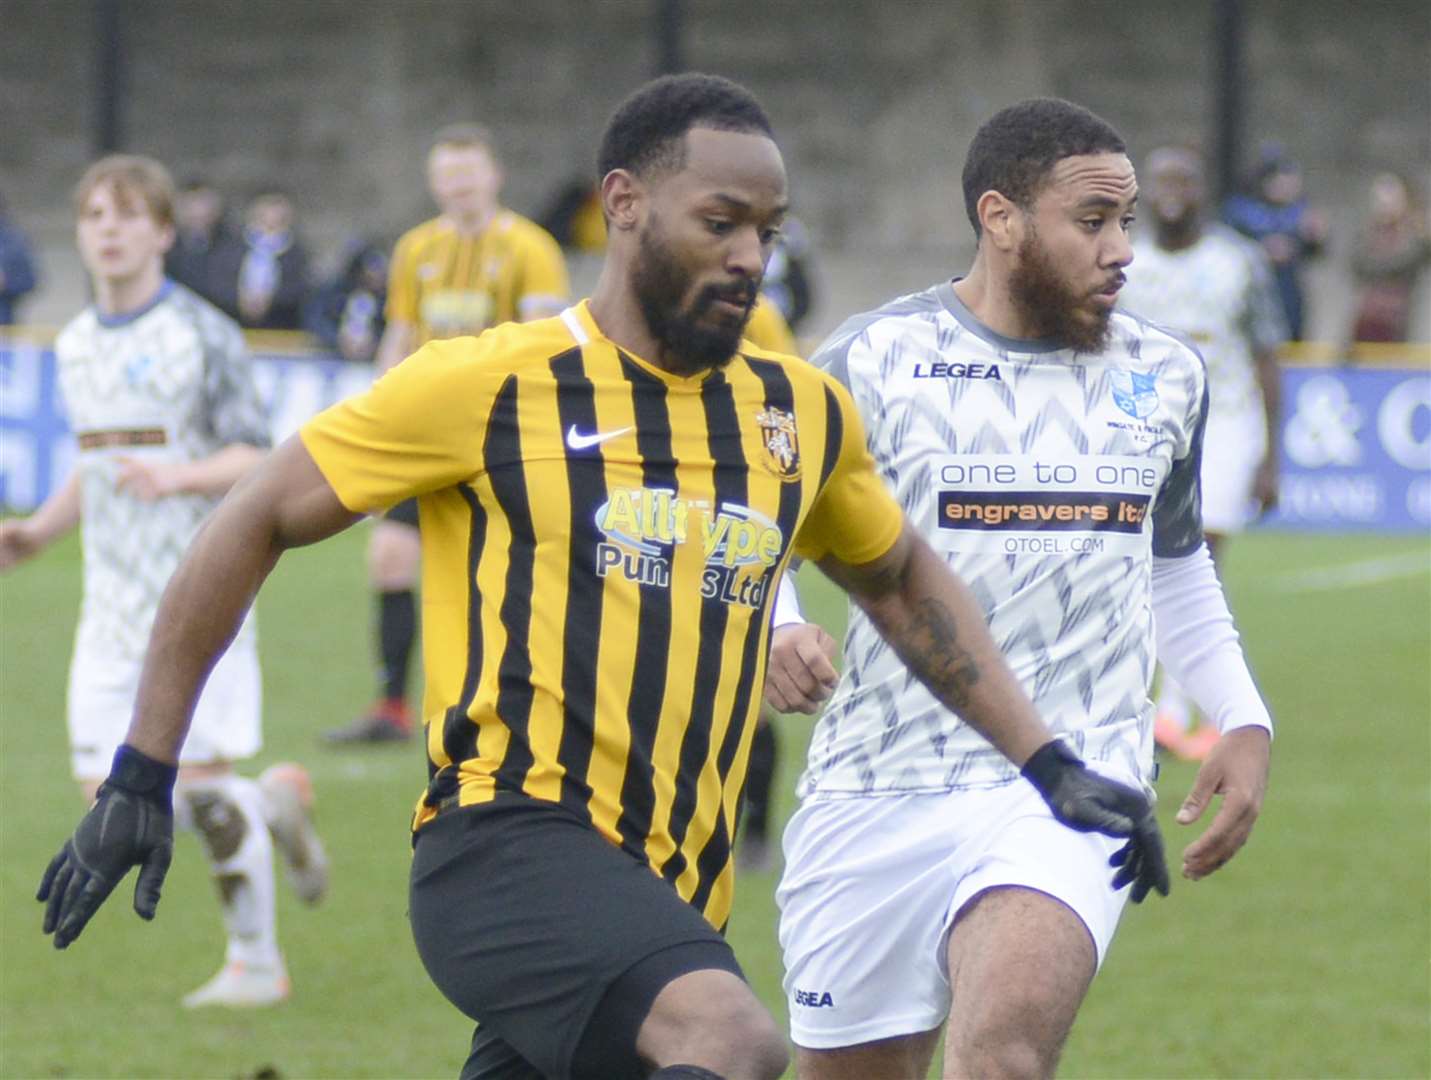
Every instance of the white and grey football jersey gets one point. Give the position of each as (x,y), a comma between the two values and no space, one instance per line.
(1220,294)
(168,383)
(1048,479)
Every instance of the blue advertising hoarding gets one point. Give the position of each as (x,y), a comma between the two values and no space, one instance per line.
(1356,448)
(35,445)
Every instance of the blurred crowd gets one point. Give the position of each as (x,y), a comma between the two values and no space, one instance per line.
(260,271)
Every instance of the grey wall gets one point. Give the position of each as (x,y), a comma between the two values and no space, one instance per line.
(874,101)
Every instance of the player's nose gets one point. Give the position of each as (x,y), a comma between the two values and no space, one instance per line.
(746,255)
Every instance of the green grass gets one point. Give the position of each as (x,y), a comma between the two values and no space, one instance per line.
(1306,957)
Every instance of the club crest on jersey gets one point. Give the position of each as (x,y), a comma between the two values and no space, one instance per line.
(1136,395)
(782,444)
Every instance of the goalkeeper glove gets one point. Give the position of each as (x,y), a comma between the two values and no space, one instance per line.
(131,823)
(1087,802)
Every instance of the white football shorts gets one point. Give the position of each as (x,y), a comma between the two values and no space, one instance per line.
(1232,448)
(872,887)
(226,723)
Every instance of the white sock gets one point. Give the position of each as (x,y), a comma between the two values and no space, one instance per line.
(1172,702)
(227,812)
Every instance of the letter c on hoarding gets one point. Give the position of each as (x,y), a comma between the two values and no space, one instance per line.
(1397,423)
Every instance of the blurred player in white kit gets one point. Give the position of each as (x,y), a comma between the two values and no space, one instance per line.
(1214,286)
(159,394)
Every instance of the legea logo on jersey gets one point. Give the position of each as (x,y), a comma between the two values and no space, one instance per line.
(643,527)
(938,369)
(1136,395)
(815,999)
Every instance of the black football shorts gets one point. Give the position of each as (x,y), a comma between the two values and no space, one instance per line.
(552,938)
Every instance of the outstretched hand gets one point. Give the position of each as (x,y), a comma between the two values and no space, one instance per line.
(127,826)
(1237,770)
(1087,802)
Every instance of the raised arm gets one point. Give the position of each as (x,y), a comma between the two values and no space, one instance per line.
(284,503)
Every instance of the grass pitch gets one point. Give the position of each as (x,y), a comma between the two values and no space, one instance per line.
(1308,956)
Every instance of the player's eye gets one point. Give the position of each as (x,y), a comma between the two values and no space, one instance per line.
(719,226)
(769,236)
(1128,221)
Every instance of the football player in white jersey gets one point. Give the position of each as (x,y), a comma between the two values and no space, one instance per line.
(1214,286)
(1048,447)
(158,391)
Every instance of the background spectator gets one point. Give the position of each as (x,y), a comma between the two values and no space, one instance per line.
(273,277)
(573,217)
(789,278)
(1274,211)
(207,251)
(1392,249)
(346,313)
(17,267)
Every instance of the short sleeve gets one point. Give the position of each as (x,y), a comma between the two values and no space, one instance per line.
(417,429)
(236,412)
(854,516)
(402,303)
(1177,513)
(544,285)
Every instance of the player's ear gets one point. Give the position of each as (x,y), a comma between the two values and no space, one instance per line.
(622,196)
(1001,220)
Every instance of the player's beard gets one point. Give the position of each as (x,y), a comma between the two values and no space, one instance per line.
(661,284)
(1051,306)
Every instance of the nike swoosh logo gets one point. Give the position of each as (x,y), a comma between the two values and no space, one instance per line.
(577,441)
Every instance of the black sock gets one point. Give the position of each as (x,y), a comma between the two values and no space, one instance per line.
(685,1072)
(759,780)
(397,626)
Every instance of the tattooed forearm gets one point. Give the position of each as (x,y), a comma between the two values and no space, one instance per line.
(929,645)
(935,624)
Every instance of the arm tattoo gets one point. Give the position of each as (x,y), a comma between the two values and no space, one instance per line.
(929,645)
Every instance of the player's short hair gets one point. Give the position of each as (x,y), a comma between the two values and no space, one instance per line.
(647,132)
(1015,149)
(133,176)
(464,137)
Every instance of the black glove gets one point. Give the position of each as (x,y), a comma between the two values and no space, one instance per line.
(131,823)
(1087,802)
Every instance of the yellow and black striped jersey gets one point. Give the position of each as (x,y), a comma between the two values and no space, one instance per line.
(447,284)
(601,541)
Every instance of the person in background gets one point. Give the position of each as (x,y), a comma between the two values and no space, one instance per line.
(1392,249)
(207,251)
(18,276)
(476,265)
(158,389)
(346,313)
(273,276)
(1275,212)
(1215,287)
(789,276)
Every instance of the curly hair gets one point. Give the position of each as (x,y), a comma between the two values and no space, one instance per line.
(647,131)
(1015,149)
